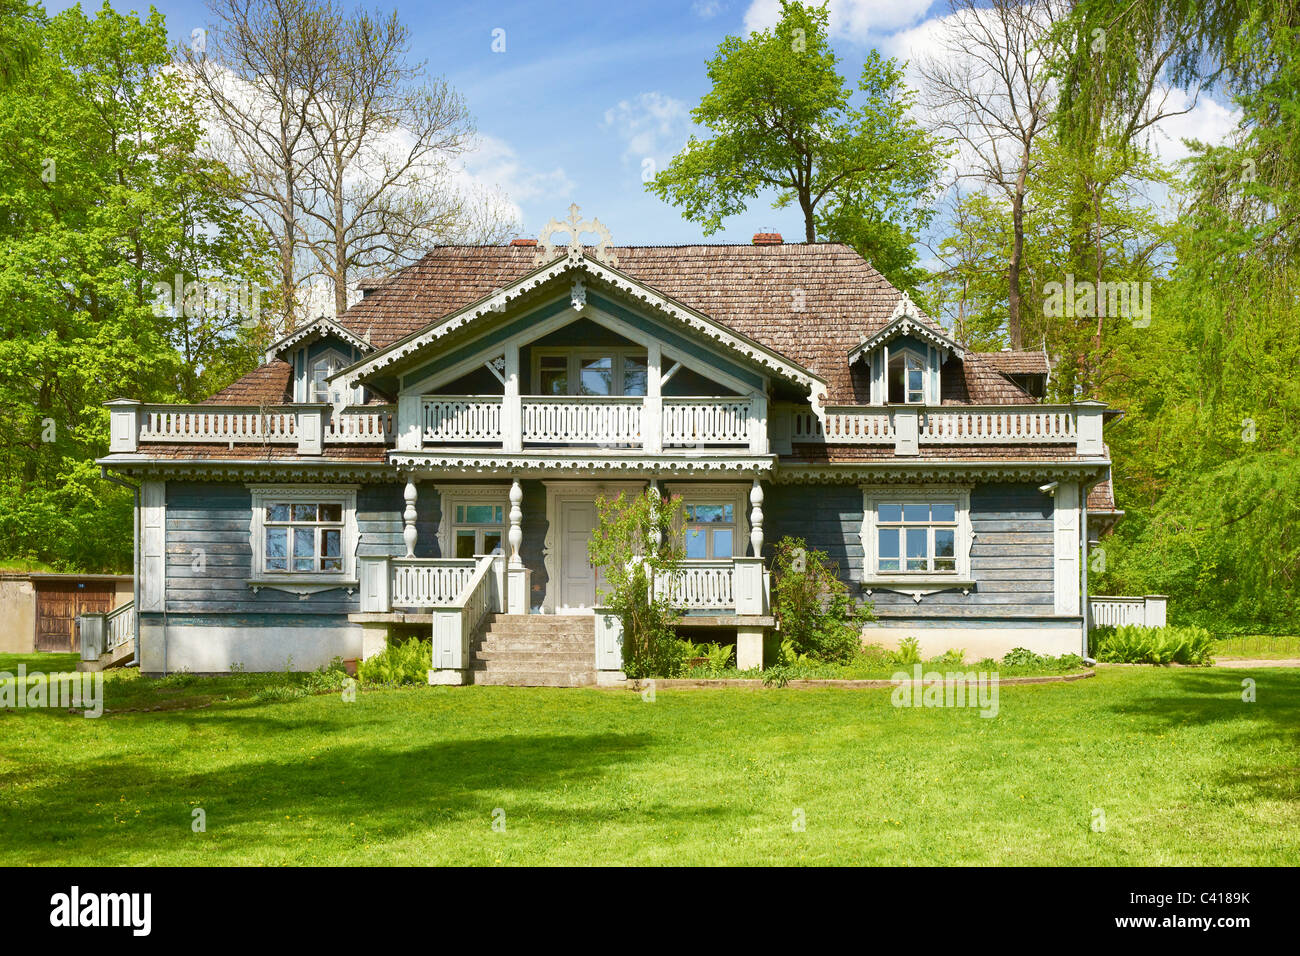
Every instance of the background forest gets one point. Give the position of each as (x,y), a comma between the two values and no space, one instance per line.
(127,165)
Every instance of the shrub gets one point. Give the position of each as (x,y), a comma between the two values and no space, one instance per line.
(816,613)
(637,541)
(407,662)
(907,654)
(1132,644)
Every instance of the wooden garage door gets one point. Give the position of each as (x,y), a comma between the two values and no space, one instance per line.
(57,607)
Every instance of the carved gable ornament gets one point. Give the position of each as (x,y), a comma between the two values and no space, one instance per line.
(575,227)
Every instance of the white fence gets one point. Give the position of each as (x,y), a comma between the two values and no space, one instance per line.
(119,625)
(428,582)
(1147,611)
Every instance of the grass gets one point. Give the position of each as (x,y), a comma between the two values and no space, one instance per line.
(1269,647)
(1184,771)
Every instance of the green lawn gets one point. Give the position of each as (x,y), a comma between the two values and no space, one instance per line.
(1258,646)
(1185,772)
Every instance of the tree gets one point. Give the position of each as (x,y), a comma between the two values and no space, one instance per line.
(783,119)
(102,198)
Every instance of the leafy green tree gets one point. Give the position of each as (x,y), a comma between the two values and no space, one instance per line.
(782,119)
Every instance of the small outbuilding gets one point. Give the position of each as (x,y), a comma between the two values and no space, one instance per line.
(38,612)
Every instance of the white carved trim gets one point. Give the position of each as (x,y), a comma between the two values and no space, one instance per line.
(322,327)
(575,227)
(911,472)
(302,583)
(906,319)
(903,582)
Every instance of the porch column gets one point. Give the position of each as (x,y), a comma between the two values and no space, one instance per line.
(408,517)
(652,412)
(518,577)
(512,412)
(656,537)
(756,518)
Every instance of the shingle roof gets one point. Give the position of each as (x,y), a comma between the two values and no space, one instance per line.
(980,383)
(1101,497)
(268,384)
(1018,363)
(811,302)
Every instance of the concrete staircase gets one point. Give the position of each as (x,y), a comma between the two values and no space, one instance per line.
(536,650)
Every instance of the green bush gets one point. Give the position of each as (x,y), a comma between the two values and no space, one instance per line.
(814,608)
(907,654)
(1132,644)
(407,662)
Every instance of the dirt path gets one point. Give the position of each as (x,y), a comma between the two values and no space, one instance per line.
(1255,662)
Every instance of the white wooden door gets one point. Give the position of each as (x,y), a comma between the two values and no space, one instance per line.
(578,579)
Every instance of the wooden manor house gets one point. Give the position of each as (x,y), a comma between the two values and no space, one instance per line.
(428,463)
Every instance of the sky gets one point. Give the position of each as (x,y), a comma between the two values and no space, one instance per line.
(574,101)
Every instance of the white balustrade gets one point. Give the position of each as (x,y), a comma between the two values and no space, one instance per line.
(119,625)
(464,418)
(429,582)
(1146,611)
(363,426)
(699,585)
(705,421)
(582,420)
(198,423)
(844,425)
(994,425)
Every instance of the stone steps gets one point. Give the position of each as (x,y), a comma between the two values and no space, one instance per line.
(534,650)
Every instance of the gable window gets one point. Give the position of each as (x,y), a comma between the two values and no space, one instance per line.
(321,368)
(906,379)
(916,533)
(590,372)
(304,534)
(473,520)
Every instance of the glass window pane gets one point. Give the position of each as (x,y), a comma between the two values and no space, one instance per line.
(304,549)
(304,512)
(277,549)
(491,542)
(943,512)
(696,546)
(465,543)
(722,543)
(554,375)
(478,514)
(277,513)
(916,512)
(889,513)
(887,548)
(331,512)
(713,513)
(945,550)
(331,543)
(634,375)
(917,549)
(596,376)
(914,380)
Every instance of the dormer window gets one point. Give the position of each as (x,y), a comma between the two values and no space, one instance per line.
(906,379)
(318,388)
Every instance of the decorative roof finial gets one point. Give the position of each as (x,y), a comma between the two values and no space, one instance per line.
(575,226)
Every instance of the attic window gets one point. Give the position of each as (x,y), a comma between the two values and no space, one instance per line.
(906,379)
(318,389)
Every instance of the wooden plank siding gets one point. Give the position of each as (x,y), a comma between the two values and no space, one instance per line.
(1011,557)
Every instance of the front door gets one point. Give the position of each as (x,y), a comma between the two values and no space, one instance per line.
(578,579)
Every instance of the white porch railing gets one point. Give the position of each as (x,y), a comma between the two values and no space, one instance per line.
(427,582)
(119,626)
(1147,611)
(457,625)
(706,421)
(699,585)
(364,425)
(844,424)
(582,420)
(198,423)
(455,419)
(1017,425)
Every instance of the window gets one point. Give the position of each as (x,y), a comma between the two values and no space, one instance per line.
(473,520)
(906,379)
(478,529)
(710,529)
(917,533)
(304,534)
(590,372)
(304,537)
(318,390)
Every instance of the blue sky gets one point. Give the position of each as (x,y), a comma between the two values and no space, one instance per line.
(585,92)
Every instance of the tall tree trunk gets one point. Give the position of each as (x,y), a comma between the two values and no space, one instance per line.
(1017,253)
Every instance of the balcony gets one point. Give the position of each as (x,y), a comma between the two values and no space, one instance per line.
(650,424)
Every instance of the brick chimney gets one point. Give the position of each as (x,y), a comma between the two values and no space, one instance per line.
(767,239)
(523,242)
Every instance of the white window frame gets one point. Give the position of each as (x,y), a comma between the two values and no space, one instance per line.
(303,582)
(449,496)
(342,362)
(735,495)
(923,366)
(873,496)
(619,353)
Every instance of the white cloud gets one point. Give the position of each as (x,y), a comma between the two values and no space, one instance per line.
(851,19)
(1208,121)
(494,164)
(707,9)
(652,126)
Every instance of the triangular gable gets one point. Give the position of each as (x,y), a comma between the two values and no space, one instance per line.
(908,320)
(317,328)
(582,271)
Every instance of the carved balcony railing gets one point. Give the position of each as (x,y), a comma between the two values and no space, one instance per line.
(906,428)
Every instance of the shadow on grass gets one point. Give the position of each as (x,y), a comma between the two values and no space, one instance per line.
(1213,699)
(389,793)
